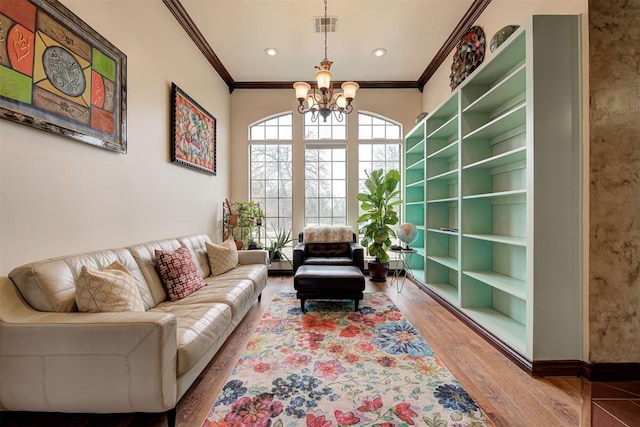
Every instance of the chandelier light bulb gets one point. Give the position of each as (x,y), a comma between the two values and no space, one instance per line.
(302,88)
(323,79)
(341,102)
(350,89)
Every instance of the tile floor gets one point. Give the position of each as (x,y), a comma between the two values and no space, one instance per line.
(615,404)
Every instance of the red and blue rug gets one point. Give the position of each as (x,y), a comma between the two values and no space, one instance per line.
(332,367)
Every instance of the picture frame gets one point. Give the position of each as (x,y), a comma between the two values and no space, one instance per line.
(193,133)
(57,74)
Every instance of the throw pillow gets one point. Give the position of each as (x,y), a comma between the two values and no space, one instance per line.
(178,272)
(112,289)
(223,257)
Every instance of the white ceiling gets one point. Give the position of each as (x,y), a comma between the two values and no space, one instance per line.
(412,31)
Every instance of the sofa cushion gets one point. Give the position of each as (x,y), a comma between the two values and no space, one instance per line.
(223,257)
(257,273)
(328,261)
(332,250)
(111,289)
(50,284)
(180,275)
(200,326)
(237,294)
(197,245)
(144,256)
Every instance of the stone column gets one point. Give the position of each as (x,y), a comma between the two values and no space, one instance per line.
(614,193)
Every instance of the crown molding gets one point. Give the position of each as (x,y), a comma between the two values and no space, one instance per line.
(183,18)
(390,84)
(194,33)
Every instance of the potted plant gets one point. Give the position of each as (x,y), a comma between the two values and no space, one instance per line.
(242,221)
(278,243)
(378,218)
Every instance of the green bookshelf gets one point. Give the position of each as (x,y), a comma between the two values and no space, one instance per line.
(493,179)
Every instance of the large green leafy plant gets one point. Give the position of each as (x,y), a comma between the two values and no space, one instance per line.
(379,215)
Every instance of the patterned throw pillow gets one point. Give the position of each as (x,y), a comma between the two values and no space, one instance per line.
(223,257)
(112,289)
(178,272)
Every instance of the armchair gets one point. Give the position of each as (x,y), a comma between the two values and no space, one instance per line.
(328,245)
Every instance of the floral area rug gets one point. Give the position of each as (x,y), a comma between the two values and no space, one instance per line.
(333,367)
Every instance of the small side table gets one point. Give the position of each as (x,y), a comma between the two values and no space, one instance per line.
(404,256)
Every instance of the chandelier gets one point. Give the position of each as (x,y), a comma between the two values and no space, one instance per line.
(321,100)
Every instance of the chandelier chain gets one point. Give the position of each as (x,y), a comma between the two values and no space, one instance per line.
(325,25)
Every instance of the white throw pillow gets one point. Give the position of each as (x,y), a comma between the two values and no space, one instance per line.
(222,257)
(112,289)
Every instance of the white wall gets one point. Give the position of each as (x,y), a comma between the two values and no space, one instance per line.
(249,106)
(498,14)
(59,196)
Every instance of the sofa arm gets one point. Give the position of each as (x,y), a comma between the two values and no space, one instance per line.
(85,362)
(298,255)
(253,256)
(357,255)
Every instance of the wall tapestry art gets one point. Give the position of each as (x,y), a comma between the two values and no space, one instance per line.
(193,133)
(468,55)
(58,75)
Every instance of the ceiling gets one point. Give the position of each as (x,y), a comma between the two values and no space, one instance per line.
(233,35)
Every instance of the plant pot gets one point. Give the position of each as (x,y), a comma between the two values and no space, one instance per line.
(239,244)
(233,219)
(378,271)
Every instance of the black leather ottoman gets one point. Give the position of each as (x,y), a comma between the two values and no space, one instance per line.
(329,282)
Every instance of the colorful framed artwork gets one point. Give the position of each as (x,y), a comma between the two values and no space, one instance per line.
(58,75)
(193,133)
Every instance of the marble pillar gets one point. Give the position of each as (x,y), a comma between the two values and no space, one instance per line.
(614,193)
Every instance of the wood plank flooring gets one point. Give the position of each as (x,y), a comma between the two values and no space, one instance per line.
(507,394)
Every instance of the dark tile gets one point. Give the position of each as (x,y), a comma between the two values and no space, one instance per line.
(601,418)
(624,410)
(630,386)
(608,390)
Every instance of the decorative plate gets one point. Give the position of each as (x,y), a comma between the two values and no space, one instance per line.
(468,55)
(501,35)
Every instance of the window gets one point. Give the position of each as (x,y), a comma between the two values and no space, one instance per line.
(325,198)
(275,128)
(372,127)
(331,129)
(271,174)
(384,149)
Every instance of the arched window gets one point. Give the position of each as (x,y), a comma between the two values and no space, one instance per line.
(325,171)
(321,129)
(271,174)
(379,145)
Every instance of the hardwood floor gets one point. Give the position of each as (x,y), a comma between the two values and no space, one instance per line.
(507,394)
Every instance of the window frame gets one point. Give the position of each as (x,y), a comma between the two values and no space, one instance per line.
(273,223)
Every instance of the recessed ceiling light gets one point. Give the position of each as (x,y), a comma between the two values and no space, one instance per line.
(379,51)
(271,51)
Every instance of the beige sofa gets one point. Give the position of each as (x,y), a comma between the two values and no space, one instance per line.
(56,359)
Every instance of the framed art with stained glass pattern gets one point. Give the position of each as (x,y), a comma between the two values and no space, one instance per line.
(59,75)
